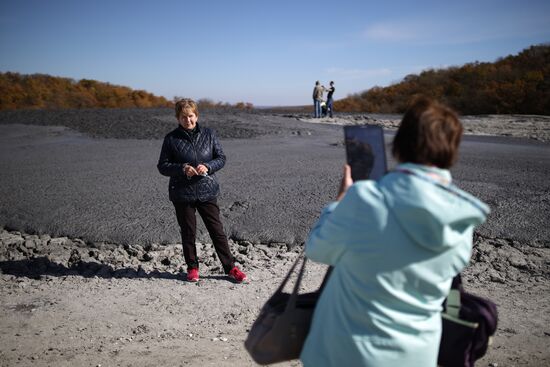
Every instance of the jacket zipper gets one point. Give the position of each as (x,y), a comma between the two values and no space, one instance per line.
(196,157)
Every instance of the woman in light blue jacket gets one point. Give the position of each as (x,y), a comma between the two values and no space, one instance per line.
(395,246)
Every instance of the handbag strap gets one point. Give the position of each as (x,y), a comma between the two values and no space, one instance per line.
(294,296)
(453,303)
(291,304)
(283,283)
(453,299)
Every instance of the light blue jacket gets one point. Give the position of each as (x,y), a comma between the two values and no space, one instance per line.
(395,246)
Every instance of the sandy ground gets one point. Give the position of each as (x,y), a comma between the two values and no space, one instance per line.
(70,299)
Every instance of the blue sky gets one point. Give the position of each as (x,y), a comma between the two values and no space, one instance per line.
(263,52)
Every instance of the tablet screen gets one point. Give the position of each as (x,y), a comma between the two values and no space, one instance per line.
(365,151)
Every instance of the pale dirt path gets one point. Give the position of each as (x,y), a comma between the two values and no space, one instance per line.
(76,321)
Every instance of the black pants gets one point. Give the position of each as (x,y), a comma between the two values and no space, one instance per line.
(210,214)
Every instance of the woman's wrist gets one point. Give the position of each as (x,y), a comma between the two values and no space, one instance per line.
(345,183)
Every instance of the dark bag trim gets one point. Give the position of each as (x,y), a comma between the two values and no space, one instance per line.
(468,325)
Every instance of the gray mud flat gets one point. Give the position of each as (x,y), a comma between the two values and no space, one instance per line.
(90,261)
(279,174)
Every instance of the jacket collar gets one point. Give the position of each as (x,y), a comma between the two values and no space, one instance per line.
(438,174)
(187,133)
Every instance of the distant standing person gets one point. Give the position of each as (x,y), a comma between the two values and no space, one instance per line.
(190,156)
(317,98)
(330,101)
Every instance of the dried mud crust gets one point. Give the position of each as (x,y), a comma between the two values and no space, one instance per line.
(34,256)
(493,259)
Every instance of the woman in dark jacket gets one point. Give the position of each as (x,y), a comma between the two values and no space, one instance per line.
(190,156)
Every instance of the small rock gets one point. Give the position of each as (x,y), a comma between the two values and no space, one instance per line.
(495,276)
(13,240)
(499,242)
(277,244)
(148,256)
(30,244)
(21,248)
(45,237)
(74,259)
(151,247)
(243,250)
(59,241)
(517,261)
(131,251)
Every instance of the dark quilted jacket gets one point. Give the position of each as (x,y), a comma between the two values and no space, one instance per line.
(181,147)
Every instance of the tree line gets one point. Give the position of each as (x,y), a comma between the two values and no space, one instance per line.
(41,91)
(208,104)
(514,84)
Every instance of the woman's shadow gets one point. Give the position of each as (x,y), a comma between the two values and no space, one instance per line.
(41,266)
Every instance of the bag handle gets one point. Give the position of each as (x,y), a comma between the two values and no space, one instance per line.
(453,299)
(283,283)
(294,296)
(291,304)
(453,303)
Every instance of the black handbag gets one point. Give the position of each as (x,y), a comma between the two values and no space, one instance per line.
(279,332)
(469,323)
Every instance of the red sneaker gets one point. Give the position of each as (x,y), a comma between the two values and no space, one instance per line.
(192,275)
(237,275)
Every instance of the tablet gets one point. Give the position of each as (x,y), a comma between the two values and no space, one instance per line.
(365,151)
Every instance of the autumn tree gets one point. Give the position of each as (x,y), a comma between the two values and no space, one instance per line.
(514,84)
(36,91)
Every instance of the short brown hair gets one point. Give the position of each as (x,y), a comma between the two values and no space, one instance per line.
(186,104)
(429,133)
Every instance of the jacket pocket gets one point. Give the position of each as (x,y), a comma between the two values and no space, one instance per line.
(208,187)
